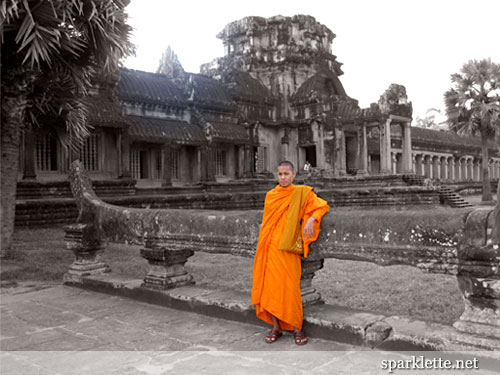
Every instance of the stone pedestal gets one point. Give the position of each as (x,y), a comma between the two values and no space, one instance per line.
(479,279)
(87,247)
(310,295)
(166,267)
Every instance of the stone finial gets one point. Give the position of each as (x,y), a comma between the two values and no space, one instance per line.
(170,65)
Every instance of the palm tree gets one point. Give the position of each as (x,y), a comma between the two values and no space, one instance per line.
(473,108)
(51,52)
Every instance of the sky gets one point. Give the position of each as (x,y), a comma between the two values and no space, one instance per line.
(415,43)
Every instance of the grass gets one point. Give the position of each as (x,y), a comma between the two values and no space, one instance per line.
(40,255)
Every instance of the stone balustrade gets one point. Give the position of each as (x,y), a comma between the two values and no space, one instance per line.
(444,166)
(439,240)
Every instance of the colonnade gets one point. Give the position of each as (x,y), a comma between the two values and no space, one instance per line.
(445,166)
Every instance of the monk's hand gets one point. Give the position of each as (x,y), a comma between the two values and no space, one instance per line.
(309,228)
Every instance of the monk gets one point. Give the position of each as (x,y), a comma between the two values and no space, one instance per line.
(291,220)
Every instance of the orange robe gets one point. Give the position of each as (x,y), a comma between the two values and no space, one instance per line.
(276,274)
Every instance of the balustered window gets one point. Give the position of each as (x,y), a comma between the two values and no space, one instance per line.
(261,159)
(89,153)
(220,162)
(46,152)
(135,164)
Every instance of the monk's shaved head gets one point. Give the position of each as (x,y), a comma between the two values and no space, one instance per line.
(286,163)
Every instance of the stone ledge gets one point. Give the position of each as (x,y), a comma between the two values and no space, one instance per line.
(328,322)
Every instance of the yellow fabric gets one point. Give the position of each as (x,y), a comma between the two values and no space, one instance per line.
(276,274)
(292,227)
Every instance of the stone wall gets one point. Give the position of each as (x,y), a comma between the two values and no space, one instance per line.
(439,240)
(51,203)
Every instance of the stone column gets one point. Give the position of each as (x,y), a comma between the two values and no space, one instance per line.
(341,157)
(166,267)
(452,168)
(167,165)
(419,165)
(363,146)
(247,162)
(427,166)
(406,146)
(394,162)
(460,169)
(207,164)
(414,163)
(444,167)
(310,295)
(436,166)
(466,174)
(83,240)
(385,147)
(29,156)
(478,170)
(125,155)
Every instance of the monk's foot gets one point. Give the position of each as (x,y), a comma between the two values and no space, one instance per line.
(300,337)
(273,336)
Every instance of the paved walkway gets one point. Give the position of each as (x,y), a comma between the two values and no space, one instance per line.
(56,329)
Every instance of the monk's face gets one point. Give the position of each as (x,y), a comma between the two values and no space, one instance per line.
(285,175)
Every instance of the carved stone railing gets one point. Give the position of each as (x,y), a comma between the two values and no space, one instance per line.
(457,242)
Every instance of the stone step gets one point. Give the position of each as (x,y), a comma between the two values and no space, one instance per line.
(447,195)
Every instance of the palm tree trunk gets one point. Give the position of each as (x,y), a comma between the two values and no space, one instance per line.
(14,99)
(496,228)
(485,172)
(10,140)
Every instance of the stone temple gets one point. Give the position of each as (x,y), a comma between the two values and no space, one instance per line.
(276,94)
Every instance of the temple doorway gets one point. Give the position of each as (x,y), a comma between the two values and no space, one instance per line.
(310,154)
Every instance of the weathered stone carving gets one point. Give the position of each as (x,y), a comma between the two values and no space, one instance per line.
(479,277)
(87,247)
(444,241)
(166,265)
(395,101)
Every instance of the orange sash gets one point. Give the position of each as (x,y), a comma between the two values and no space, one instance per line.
(291,240)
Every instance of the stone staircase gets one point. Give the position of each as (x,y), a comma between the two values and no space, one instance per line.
(448,196)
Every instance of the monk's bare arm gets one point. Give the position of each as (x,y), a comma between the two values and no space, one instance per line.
(309,228)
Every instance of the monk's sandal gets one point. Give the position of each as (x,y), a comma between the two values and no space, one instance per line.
(273,336)
(300,337)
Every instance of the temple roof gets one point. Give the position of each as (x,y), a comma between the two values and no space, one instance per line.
(243,86)
(136,85)
(160,130)
(104,111)
(349,111)
(324,84)
(224,131)
(208,91)
(423,135)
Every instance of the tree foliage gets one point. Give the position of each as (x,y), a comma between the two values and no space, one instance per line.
(52,52)
(473,102)
(473,107)
(58,47)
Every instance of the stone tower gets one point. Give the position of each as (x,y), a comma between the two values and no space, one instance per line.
(281,52)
